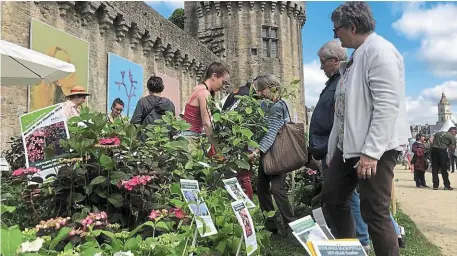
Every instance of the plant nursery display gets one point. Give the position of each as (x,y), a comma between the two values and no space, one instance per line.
(116,195)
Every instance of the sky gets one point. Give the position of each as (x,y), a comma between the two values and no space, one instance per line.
(423,32)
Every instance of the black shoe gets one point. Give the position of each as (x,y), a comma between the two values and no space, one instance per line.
(425,186)
(435,188)
(448,188)
(401,242)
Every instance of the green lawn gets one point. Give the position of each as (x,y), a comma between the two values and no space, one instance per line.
(416,243)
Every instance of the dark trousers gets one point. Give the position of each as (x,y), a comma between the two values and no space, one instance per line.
(452,161)
(279,192)
(419,178)
(375,196)
(440,162)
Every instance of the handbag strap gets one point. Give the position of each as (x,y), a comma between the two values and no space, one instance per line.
(288,112)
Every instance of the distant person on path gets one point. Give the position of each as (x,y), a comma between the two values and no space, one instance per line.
(116,110)
(370,128)
(75,100)
(442,141)
(419,161)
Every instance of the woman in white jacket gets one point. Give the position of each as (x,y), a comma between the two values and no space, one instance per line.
(370,128)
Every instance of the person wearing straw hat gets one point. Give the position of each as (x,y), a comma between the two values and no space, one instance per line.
(75,99)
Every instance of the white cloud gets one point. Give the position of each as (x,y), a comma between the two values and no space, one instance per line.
(170,4)
(421,109)
(435,28)
(424,108)
(314,80)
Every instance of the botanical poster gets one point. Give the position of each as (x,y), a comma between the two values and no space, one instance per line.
(41,130)
(236,192)
(61,45)
(125,81)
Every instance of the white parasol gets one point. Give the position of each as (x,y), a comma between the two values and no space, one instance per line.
(22,66)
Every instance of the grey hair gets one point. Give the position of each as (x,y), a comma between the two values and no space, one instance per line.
(355,13)
(266,81)
(333,49)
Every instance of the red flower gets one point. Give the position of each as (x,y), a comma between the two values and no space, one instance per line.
(110,141)
(178,212)
(22,171)
(154,215)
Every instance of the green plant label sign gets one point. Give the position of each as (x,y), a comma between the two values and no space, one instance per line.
(245,220)
(42,131)
(191,192)
(338,247)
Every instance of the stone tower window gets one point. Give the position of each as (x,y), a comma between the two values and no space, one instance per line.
(270,41)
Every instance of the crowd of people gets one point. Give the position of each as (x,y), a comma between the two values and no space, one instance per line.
(358,130)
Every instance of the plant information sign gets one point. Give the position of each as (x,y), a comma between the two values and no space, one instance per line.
(198,207)
(236,192)
(245,220)
(41,131)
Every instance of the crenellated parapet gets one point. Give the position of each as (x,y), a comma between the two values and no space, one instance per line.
(142,28)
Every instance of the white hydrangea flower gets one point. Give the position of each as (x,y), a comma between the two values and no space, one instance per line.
(129,253)
(32,246)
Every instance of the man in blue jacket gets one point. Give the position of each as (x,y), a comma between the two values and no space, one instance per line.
(330,55)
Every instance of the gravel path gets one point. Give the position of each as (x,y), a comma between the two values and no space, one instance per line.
(434,212)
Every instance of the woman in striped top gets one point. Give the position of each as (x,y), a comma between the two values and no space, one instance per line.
(276,114)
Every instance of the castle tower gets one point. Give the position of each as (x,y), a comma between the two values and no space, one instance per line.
(444,110)
(253,38)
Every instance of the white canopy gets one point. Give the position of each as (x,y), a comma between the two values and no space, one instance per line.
(22,66)
(448,124)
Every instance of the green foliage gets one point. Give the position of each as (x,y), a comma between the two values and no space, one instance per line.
(177,17)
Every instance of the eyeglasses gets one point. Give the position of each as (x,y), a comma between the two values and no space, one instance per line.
(335,30)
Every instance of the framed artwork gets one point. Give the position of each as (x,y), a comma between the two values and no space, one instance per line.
(172,90)
(125,81)
(61,45)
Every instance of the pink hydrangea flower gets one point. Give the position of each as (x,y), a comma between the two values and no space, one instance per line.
(134,182)
(110,141)
(178,212)
(19,172)
(23,172)
(311,172)
(154,214)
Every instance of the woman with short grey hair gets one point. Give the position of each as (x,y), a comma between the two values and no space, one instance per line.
(276,114)
(370,128)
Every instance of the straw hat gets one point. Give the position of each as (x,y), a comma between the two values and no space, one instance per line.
(78,90)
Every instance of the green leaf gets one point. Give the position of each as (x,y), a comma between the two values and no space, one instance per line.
(221,246)
(216,117)
(132,244)
(11,240)
(248,110)
(246,132)
(81,171)
(242,164)
(175,188)
(106,162)
(98,180)
(63,232)
(162,225)
(270,214)
(114,242)
(189,165)
(117,176)
(253,144)
(68,247)
(6,208)
(236,141)
(77,197)
(116,200)
(89,248)
(147,223)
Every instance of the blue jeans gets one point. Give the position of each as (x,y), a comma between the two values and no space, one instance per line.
(361,228)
